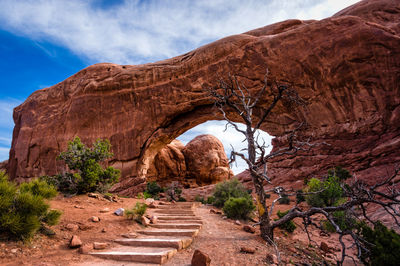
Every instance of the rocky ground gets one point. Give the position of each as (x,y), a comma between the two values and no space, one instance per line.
(222,239)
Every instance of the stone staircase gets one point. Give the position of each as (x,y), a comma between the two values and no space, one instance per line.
(176,227)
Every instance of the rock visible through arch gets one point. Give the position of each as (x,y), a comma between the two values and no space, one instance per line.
(346,68)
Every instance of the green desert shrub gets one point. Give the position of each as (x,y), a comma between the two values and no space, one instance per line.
(330,188)
(344,219)
(288,226)
(239,208)
(136,212)
(382,245)
(23,210)
(229,189)
(153,189)
(199,198)
(88,175)
(210,199)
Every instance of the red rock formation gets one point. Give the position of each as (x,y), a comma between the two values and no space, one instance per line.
(169,163)
(346,68)
(206,160)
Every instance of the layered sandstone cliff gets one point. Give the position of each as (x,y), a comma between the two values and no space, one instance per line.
(346,68)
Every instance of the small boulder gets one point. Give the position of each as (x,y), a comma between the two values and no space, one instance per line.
(95,219)
(324,247)
(149,201)
(238,222)
(85,249)
(105,210)
(145,221)
(218,212)
(247,250)
(249,229)
(100,245)
(75,242)
(93,195)
(119,212)
(212,211)
(152,205)
(153,219)
(200,259)
(72,227)
(103,230)
(130,235)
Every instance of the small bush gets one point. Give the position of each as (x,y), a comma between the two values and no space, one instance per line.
(153,188)
(23,210)
(288,226)
(210,200)
(147,195)
(331,191)
(136,212)
(229,189)
(199,198)
(299,196)
(87,175)
(181,199)
(284,200)
(382,245)
(238,208)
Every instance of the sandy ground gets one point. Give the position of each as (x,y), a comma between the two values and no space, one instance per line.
(220,238)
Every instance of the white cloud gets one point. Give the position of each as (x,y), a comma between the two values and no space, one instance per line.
(6,111)
(228,138)
(140,31)
(4,153)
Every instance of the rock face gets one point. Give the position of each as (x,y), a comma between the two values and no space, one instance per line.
(201,162)
(346,68)
(206,160)
(169,163)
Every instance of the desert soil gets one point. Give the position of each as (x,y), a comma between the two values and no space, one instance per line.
(220,238)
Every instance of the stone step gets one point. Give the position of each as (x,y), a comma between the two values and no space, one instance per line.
(170,232)
(190,221)
(176,226)
(173,214)
(173,211)
(180,207)
(177,243)
(186,218)
(137,254)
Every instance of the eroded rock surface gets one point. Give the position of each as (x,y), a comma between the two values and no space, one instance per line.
(346,68)
(201,162)
(206,160)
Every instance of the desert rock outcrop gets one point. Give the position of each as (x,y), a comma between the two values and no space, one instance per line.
(206,160)
(346,68)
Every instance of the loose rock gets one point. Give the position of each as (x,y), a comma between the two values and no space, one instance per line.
(93,195)
(100,245)
(85,249)
(200,258)
(119,212)
(238,222)
(249,229)
(130,235)
(75,242)
(95,219)
(105,210)
(145,221)
(72,227)
(247,250)
(324,247)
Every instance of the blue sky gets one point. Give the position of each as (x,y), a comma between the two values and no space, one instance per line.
(43,42)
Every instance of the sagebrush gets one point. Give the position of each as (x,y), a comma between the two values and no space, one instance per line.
(23,210)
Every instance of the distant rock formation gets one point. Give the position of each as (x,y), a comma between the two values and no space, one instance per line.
(346,68)
(206,160)
(201,162)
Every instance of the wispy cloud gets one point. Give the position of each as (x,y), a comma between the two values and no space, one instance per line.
(140,31)
(229,138)
(6,111)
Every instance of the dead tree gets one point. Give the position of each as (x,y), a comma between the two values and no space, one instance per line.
(232,97)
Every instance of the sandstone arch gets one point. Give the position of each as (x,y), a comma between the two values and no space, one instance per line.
(346,67)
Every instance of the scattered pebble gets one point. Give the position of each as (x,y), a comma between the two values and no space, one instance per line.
(119,212)
(95,219)
(247,250)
